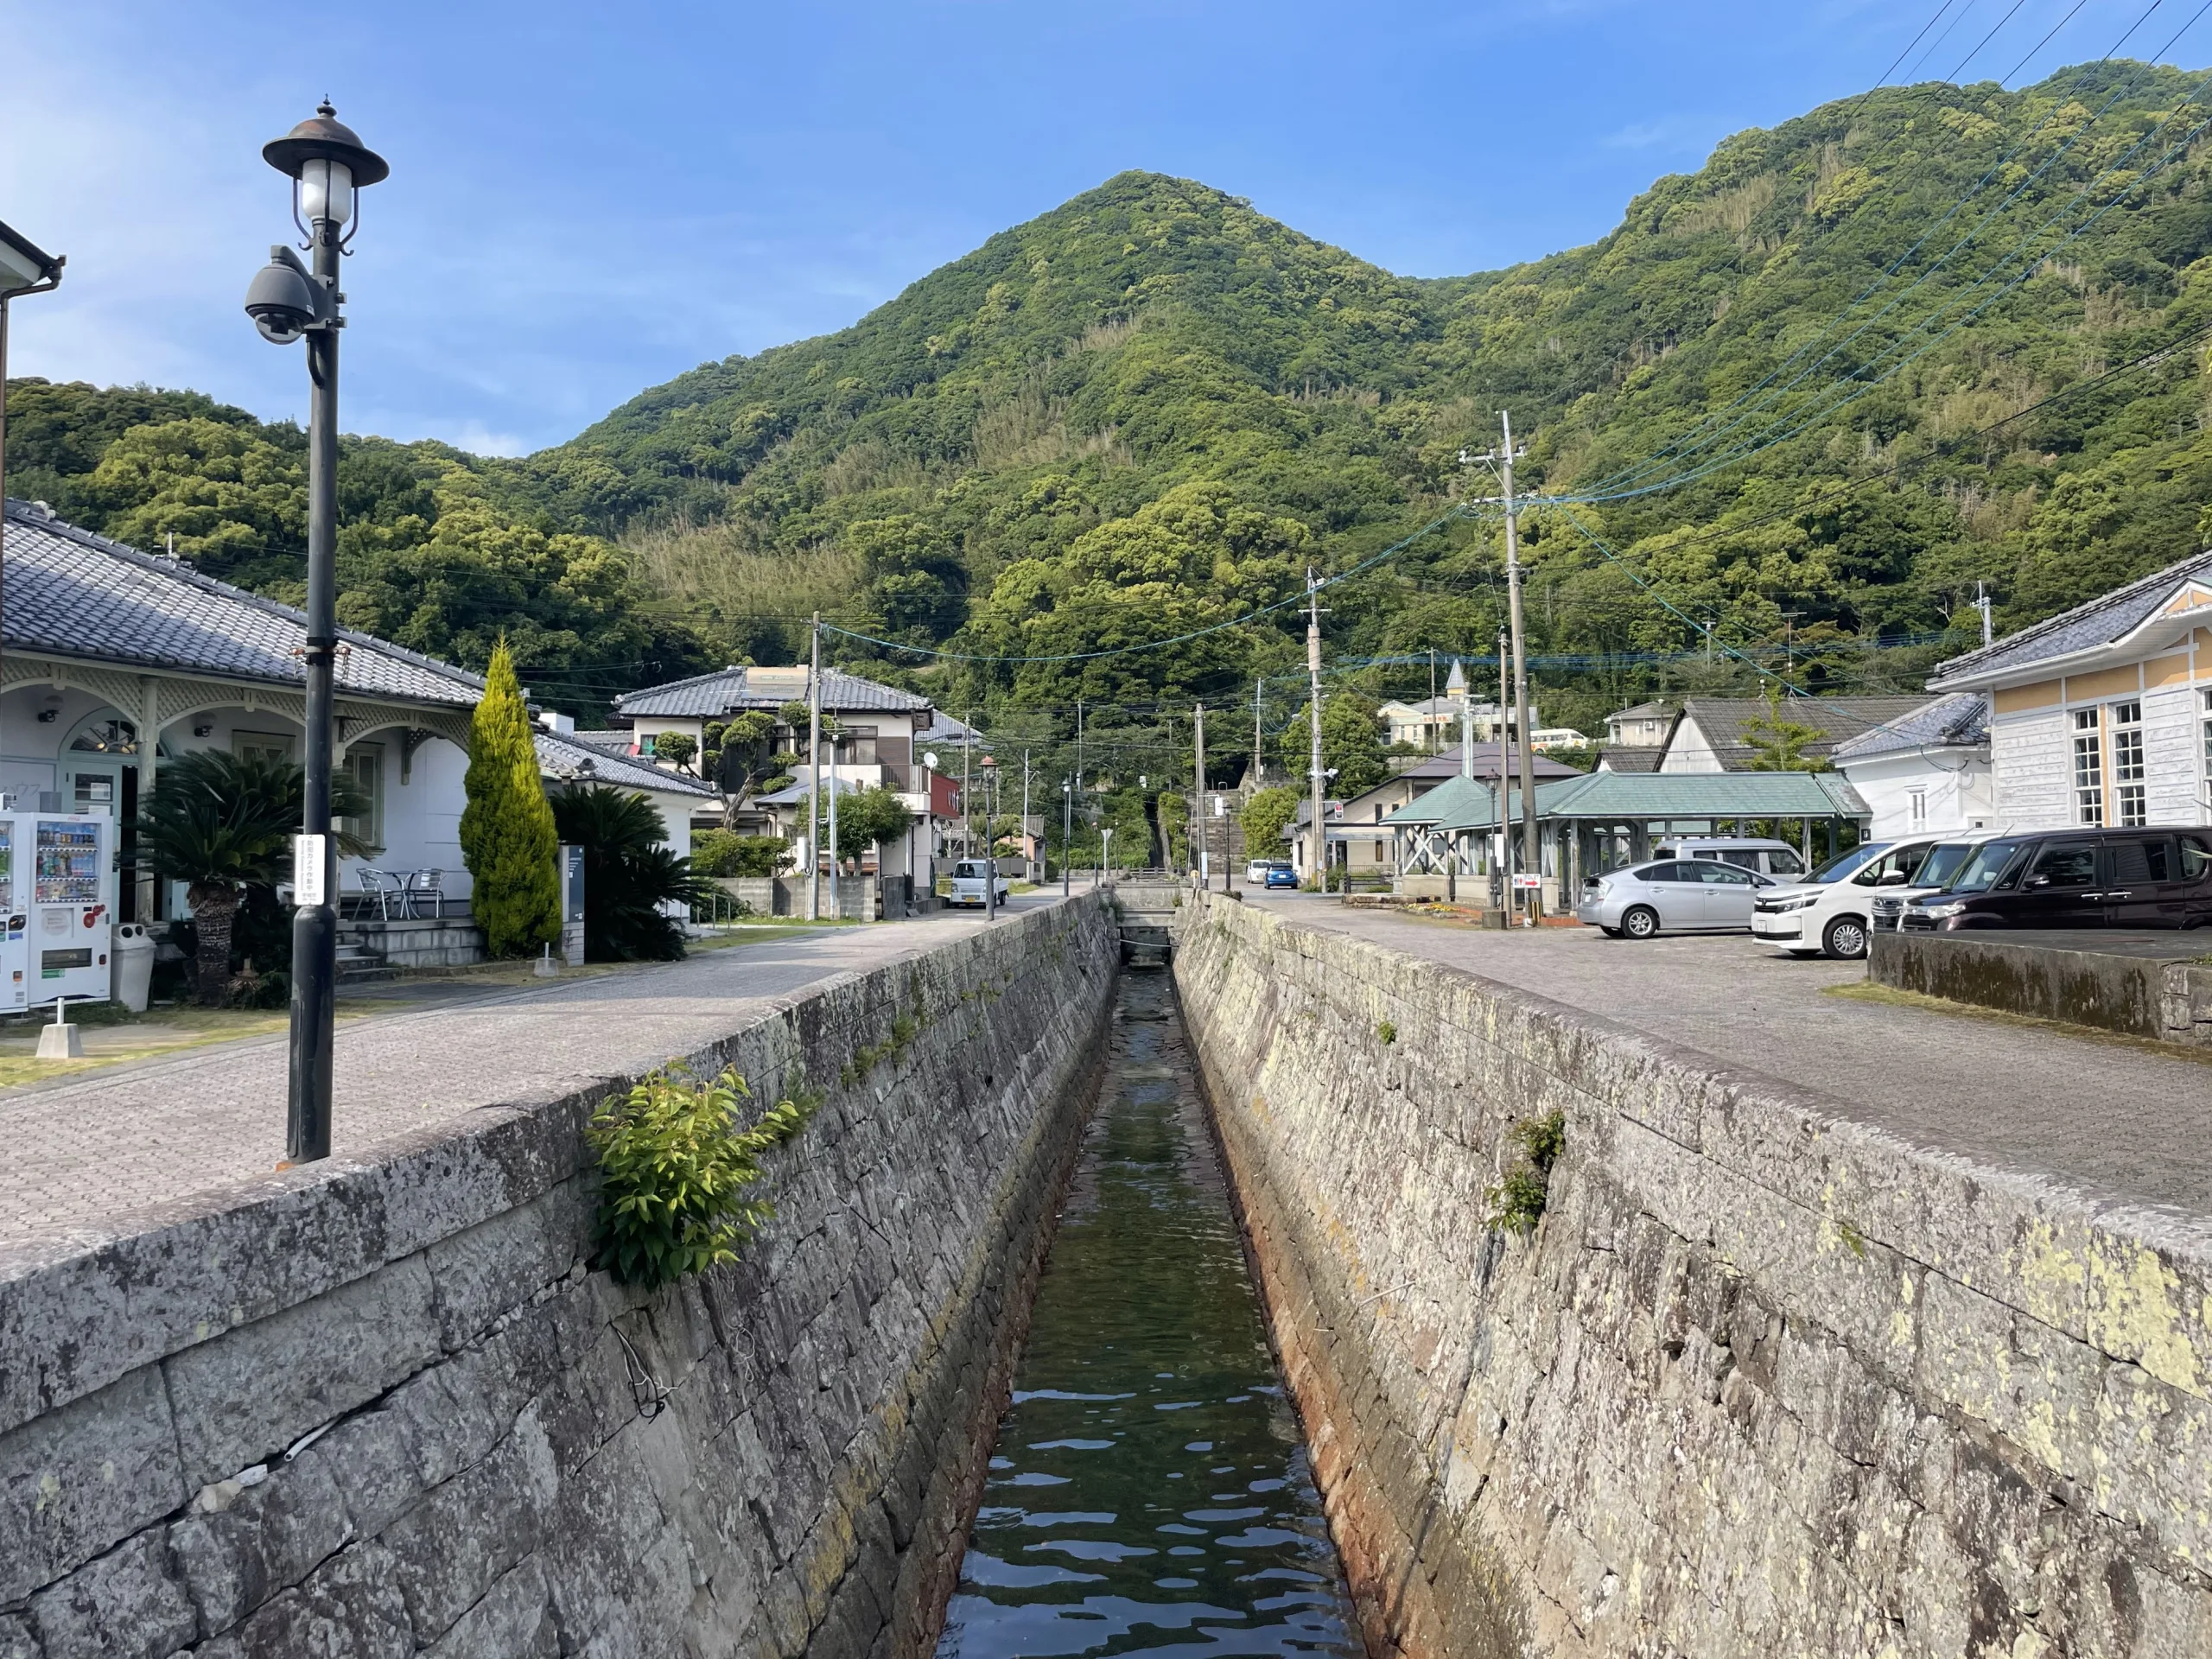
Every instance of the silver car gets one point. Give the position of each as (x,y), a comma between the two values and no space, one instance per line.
(1677,895)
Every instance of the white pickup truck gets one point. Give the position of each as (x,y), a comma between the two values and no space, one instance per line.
(969,876)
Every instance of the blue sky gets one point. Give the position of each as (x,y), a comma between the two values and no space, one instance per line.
(586,200)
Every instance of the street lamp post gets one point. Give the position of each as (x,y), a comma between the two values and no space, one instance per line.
(289,300)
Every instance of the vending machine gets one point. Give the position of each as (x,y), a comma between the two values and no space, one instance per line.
(14,989)
(61,912)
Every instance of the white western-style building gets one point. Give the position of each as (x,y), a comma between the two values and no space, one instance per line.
(2103,715)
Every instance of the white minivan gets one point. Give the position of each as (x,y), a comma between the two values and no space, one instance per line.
(1761,855)
(969,877)
(1831,911)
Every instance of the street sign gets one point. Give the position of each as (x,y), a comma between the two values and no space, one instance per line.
(310,863)
(1528,882)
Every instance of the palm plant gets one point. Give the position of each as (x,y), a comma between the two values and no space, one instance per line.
(223,824)
(628,873)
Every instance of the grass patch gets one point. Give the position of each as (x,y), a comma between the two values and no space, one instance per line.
(1889,997)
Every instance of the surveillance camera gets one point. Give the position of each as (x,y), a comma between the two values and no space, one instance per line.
(283,300)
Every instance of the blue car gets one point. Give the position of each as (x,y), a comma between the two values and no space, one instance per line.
(1281,875)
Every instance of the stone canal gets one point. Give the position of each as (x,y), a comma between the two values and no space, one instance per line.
(1149,1491)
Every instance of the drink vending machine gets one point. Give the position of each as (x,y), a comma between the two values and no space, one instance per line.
(57,872)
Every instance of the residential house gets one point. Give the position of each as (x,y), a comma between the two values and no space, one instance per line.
(1643,727)
(1927,770)
(875,747)
(112,660)
(1726,733)
(564,758)
(2103,715)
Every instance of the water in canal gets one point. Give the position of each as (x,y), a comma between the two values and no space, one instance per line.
(1149,1492)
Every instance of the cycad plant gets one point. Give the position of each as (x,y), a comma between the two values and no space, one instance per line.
(628,873)
(223,824)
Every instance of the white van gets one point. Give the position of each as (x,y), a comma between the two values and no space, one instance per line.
(969,876)
(1830,912)
(1755,853)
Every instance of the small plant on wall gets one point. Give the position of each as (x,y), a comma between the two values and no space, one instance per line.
(677,1172)
(1517,1202)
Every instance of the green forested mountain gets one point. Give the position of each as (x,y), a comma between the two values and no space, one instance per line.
(1151,408)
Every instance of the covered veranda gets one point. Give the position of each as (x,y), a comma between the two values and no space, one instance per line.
(1602,821)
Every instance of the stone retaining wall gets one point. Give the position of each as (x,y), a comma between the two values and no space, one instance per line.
(2143,995)
(1763,1381)
(387,1409)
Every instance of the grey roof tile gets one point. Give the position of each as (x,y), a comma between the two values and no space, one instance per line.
(2099,622)
(562,756)
(1723,720)
(730,689)
(73,594)
(1956,718)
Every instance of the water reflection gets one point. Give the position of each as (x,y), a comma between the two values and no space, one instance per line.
(1149,1491)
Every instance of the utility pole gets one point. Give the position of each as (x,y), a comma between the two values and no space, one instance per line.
(1258,754)
(1788,641)
(1024,811)
(1078,750)
(1198,801)
(1067,830)
(1320,859)
(1500,877)
(813,771)
(1428,714)
(1981,604)
(1531,855)
(836,904)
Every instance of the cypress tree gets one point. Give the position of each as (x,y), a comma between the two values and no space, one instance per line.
(506,828)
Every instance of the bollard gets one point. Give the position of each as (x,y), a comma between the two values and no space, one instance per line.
(60,1040)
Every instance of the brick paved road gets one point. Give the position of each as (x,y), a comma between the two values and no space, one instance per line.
(80,1155)
(2133,1123)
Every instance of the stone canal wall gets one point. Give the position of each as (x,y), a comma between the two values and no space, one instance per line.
(387,1408)
(1763,1381)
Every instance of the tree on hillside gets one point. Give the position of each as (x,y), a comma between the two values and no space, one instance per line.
(1778,741)
(1351,743)
(507,838)
(1265,817)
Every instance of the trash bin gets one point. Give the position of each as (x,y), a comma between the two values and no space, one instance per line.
(134,965)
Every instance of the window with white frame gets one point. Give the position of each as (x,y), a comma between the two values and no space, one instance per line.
(2208,742)
(1916,808)
(2127,764)
(2089,767)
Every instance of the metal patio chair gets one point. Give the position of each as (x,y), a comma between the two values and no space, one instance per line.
(426,887)
(377,885)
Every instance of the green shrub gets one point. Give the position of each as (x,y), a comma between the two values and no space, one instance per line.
(1517,1202)
(724,852)
(676,1170)
(1386,1032)
(506,828)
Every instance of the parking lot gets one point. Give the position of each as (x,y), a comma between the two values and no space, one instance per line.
(2104,1113)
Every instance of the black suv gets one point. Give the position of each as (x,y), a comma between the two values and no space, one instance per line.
(2076,878)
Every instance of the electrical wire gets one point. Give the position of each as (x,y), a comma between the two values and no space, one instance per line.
(1750,401)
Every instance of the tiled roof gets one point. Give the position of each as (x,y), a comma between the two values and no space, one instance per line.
(1724,719)
(72,594)
(2085,627)
(735,689)
(560,756)
(1624,756)
(1948,721)
(1453,798)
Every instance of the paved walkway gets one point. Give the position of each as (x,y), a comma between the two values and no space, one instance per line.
(2109,1116)
(81,1154)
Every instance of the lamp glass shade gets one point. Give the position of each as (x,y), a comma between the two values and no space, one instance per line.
(327,190)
